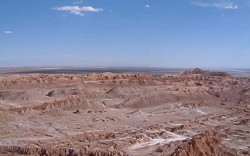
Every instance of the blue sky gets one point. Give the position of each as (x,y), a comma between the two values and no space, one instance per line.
(152,33)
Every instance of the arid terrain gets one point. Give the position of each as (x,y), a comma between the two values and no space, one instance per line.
(191,113)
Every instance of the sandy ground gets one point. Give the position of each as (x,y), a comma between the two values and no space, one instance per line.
(195,112)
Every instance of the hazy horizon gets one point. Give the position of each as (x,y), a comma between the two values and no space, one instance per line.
(118,67)
(116,33)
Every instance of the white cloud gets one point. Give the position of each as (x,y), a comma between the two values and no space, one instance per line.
(78,2)
(147,6)
(7,32)
(78,10)
(219,5)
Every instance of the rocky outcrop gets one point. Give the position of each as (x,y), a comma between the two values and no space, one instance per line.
(194,71)
(70,103)
(34,80)
(206,144)
(204,72)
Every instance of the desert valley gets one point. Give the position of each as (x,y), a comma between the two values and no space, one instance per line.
(190,113)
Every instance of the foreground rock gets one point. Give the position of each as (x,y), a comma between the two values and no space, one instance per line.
(207,144)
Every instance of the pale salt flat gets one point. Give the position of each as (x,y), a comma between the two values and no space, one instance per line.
(157,141)
(201,112)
